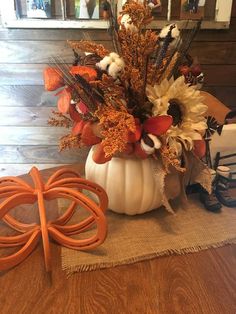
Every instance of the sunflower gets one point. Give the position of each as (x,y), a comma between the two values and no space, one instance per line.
(184,104)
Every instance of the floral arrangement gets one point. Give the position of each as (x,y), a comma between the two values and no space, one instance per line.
(139,100)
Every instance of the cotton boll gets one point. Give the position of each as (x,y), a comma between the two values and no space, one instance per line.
(125,18)
(120,63)
(104,63)
(156,141)
(114,56)
(131,27)
(126,21)
(165,30)
(151,5)
(113,70)
(148,149)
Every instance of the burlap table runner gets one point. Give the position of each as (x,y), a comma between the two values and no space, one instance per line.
(157,233)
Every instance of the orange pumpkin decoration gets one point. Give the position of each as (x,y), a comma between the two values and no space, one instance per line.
(15,191)
(53,79)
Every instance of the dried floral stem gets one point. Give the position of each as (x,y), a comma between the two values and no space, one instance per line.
(69,141)
(60,120)
(169,158)
(168,71)
(89,46)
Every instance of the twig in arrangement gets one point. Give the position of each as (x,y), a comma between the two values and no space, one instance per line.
(145,70)
(69,141)
(185,47)
(60,120)
(78,82)
(162,52)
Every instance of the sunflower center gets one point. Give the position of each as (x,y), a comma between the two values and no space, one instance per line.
(174,110)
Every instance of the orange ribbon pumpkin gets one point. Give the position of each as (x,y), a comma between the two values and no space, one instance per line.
(64,183)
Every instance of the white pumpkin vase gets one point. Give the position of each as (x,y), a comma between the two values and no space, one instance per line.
(134,186)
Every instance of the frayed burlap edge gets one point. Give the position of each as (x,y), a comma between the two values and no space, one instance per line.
(70,270)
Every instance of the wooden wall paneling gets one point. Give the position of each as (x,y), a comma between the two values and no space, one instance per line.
(34,51)
(21,74)
(175,9)
(234,9)
(71,8)
(210,10)
(40,154)
(18,169)
(53,34)
(38,51)
(31,135)
(25,116)
(56,8)
(226,94)
(220,75)
(41,52)
(214,52)
(26,96)
(221,35)
(31,74)
(22,7)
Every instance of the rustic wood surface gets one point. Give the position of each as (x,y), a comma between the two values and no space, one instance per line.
(25,106)
(202,282)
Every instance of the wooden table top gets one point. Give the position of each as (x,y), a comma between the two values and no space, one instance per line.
(203,282)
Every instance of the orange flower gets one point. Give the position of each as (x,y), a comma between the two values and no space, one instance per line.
(99,155)
(87,73)
(52,79)
(63,103)
(88,138)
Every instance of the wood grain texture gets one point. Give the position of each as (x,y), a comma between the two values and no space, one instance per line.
(53,34)
(26,96)
(32,74)
(31,135)
(234,9)
(226,94)
(202,282)
(220,75)
(26,116)
(41,52)
(18,169)
(21,74)
(48,154)
(220,35)
(101,35)
(38,52)
(214,52)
